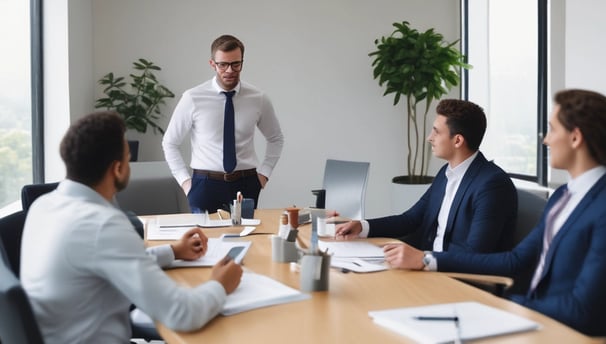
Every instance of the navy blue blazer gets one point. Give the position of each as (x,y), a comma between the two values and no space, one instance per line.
(481,219)
(572,288)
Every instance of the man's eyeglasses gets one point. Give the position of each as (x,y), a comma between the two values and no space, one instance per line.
(236,66)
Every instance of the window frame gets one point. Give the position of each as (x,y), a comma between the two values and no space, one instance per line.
(541,176)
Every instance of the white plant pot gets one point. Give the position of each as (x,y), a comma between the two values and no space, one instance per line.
(404,196)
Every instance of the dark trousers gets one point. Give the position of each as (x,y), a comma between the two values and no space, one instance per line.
(210,194)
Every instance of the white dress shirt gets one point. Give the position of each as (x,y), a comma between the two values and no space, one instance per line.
(454,176)
(578,188)
(82,265)
(200,113)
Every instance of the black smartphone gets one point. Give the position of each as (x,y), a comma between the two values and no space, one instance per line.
(234,252)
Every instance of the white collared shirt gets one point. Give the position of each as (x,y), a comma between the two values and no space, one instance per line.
(83,264)
(578,188)
(454,180)
(199,114)
(454,176)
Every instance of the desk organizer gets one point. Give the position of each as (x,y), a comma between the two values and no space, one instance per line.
(283,251)
(315,270)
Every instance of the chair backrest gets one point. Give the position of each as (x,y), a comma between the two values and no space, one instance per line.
(29,193)
(530,209)
(11,230)
(152,190)
(345,184)
(17,321)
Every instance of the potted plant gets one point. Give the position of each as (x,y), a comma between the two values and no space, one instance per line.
(137,101)
(421,67)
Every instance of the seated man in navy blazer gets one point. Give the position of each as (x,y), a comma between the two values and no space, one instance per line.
(567,248)
(471,206)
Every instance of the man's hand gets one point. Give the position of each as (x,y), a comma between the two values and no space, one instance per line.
(262,180)
(348,231)
(228,273)
(403,256)
(191,246)
(186,186)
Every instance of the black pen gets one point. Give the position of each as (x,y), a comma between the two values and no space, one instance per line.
(430,318)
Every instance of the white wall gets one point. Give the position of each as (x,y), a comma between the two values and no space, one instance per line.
(309,56)
(296,51)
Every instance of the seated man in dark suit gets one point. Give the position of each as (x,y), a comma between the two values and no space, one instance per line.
(567,248)
(471,205)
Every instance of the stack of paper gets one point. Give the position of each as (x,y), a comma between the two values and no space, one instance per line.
(256,291)
(173,227)
(356,256)
(475,321)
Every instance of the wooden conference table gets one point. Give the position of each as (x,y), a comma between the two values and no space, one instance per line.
(340,315)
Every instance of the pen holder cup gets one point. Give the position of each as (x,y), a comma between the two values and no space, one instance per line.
(283,251)
(315,270)
(247,210)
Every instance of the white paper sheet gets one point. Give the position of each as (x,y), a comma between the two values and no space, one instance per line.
(351,249)
(217,249)
(475,320)
(256,291)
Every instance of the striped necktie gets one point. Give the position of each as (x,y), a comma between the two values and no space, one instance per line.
(548,235)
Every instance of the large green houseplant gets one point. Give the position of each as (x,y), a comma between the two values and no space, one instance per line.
(138,101)
(421,67)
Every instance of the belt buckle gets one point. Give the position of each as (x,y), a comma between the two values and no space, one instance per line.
(230,177)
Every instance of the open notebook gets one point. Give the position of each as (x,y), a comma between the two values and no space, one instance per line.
(256,291)
(475,320)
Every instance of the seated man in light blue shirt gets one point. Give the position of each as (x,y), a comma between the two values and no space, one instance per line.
(82,263)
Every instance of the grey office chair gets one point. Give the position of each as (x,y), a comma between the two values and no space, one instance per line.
(344,188)
(17,321)
(530,210)
(152,190)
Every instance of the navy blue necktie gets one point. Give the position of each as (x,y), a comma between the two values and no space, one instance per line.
(229,134)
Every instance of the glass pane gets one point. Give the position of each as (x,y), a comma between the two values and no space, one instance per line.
(15,104)
(503,51)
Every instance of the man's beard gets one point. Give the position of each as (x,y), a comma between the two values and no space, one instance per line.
(120,184)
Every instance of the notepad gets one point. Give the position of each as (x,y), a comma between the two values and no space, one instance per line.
(476,321)
(256,291)
(216,250)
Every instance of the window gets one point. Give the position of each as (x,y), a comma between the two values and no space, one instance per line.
(15,102)
(505,46)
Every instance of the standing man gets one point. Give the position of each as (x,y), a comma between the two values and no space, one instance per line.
(221,115)
(567,247)
(82,263)
(471,205)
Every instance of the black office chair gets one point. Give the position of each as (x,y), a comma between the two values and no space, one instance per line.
(17,321)
(30,192)
(11,230)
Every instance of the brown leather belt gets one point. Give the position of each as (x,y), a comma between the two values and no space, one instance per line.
(226,177)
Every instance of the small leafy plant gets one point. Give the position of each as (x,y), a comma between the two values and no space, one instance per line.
(137,101)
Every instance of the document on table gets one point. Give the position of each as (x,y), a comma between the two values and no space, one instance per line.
(474,321)
(172,227)
(356,256)
(217,249)
(256,291)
